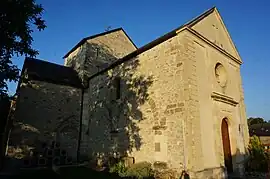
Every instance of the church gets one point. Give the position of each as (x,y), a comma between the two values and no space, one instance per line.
(178,100)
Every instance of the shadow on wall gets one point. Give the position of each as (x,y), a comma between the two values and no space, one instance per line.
(91,58)
(45,125)
(115,99)
(48,112)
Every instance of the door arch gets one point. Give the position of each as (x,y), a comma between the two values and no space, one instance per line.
(226,145)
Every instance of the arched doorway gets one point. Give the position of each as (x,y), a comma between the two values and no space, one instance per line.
(226,145)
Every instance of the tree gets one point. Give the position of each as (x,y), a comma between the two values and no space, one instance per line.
(258,157)
(18,18)
(256,120)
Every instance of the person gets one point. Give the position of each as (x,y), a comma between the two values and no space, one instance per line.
(184,175)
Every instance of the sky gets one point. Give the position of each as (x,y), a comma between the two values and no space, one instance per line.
(68,21)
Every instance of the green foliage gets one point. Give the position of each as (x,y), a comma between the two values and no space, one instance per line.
(258,157)
(255,120)
(140,170)
(119,168)
(17,18)
(160,165)
(168,173)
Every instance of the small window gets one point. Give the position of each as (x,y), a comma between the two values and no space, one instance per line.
(157,147)
(117,86)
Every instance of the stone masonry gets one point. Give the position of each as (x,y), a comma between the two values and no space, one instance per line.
(165,102)
(54,116)
(99,52)
(147,114)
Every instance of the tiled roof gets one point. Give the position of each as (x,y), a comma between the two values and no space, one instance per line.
(157,41)
(260,129)
(51,72)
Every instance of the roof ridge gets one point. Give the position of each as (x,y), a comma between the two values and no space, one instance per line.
(200,16)
(157,41)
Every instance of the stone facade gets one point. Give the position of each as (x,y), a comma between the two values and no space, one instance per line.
(149,112)
(54,116)
(181,136)
(164,102)
(98,53)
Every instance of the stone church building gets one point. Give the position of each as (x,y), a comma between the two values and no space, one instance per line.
(178,99)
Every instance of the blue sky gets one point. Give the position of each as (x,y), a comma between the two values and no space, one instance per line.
(248,22)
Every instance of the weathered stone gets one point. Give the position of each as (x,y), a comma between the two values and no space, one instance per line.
(178,109)
(162,123)
(180,104)
(179,64)
(44,122)
(171,106)
(171,86)
(158,132)
(159,127)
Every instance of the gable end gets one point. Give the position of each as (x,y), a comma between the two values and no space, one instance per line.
(97,35)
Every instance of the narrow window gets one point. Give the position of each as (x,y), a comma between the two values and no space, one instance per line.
(157,147)
(117,86)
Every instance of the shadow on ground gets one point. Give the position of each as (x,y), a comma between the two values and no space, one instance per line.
(66,173)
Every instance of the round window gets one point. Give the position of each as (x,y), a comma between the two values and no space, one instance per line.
(221,75)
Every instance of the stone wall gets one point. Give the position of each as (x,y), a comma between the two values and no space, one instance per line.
(167,108)
(216,173)
(99,52)
(193,121)
(45,112)
(76,59)
(216,102)
(147,121)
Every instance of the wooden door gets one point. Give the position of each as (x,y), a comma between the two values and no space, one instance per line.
(226,145)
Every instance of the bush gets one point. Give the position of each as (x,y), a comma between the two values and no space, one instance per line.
(165,174)
(258,157)
(160,165)
(140,170)
(118,168)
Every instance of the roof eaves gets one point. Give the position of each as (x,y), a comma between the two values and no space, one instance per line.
(155,42)
(137,52)
(72,79)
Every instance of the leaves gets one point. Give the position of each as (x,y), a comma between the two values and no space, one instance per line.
(258,157)
(256,120)
(17,18)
